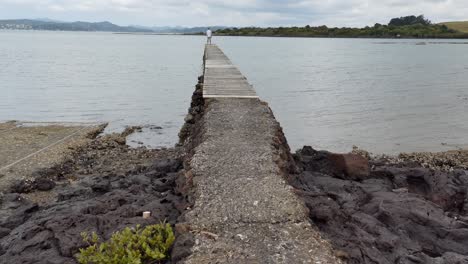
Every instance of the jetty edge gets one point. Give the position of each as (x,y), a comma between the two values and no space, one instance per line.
(242,208)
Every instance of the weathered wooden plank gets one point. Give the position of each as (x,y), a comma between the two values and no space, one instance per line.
(222,79)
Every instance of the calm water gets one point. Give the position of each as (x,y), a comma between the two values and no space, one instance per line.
(121,79)
(385,96)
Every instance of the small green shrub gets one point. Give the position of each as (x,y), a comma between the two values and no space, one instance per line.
(129,246)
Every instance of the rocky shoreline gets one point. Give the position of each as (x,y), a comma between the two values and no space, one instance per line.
(104,187)
(407,209)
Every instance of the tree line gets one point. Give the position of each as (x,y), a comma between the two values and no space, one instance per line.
(403,27)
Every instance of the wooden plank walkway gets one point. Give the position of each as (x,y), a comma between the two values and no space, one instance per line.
(222,78)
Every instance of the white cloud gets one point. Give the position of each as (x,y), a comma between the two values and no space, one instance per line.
(236,13)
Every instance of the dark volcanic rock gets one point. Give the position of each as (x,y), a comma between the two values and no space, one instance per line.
(42,179)
(100,185)
(187,134)
(44,184)
(182,247)
(21,186)
(397,214)
(107,189)
(55,230)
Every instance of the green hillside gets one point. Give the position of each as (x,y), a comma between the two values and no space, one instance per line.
(461,26)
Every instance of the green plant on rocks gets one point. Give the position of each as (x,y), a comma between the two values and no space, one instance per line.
(129,246)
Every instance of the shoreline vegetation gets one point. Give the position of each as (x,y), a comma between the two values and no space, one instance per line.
(403,27)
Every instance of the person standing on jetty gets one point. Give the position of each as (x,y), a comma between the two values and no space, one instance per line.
(209,34)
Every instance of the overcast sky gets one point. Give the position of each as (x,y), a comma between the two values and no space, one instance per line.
(235,12)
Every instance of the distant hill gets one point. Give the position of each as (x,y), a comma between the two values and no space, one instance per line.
(46,19)
(47,24)
(50,24)
(461,26)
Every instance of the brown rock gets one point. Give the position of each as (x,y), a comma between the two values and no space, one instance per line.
(182,228)
(351,166)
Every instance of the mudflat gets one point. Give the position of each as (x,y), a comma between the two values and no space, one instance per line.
(27,147)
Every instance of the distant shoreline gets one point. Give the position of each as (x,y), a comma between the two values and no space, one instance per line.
(252,36)
(147,33)
(327,37)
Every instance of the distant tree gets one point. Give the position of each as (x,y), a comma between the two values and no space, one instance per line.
(409,20)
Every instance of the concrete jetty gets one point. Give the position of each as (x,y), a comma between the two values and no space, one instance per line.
(244,210)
